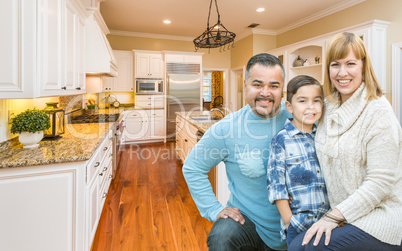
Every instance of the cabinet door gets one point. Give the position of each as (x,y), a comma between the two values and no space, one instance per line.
(141,66)
(81,57)
(51,51)
(107,84)
(92,202)
(137,125)
(157,123)
(70,53)
(155,66)
(124,80)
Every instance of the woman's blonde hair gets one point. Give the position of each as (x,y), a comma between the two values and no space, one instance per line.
(339,48)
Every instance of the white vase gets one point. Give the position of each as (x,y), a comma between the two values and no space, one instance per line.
(30,139)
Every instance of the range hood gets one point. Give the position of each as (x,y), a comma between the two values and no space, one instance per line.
(99,58)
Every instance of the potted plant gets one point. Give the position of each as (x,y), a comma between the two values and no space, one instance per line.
(30,125)
(91,109)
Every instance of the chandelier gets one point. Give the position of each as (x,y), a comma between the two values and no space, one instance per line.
(216,35)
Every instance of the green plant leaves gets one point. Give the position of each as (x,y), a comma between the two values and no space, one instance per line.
(30,121)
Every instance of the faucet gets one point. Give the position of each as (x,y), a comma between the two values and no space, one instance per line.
(219,110)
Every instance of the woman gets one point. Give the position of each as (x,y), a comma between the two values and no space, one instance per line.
(359,146)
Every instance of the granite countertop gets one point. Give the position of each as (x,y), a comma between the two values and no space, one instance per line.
(203,127)
(78,143)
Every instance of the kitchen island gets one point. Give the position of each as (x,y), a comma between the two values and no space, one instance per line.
(188,131)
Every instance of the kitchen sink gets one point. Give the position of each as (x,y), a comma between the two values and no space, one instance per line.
(208,121)
(205,119)
(202,118)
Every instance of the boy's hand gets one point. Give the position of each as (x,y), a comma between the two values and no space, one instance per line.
(231,212)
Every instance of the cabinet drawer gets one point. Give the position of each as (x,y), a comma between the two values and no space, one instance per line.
(93,166)
(104,188)
(157,113)
(105,168)
(149,101)
(106,145)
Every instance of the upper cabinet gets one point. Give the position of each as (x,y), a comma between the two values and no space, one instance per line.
(148,64)
(183,57)
(373,34)
(42,48)
(124,80)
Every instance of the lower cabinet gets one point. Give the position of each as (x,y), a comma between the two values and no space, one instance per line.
(98,179)
(186,139)
(55,206)
(144,125)
(43,207)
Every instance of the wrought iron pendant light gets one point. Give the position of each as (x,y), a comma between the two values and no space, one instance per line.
(216,35)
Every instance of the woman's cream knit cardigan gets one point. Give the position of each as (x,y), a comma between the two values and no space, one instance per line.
(359,146)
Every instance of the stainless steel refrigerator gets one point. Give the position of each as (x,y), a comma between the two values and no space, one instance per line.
(183,95)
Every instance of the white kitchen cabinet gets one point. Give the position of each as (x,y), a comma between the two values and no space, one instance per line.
(149,101)
(55,206)
(148,64)
(124,80)
(183,57)
(38,36)
(98,179)
(144,125)
(43,207)
(108,83)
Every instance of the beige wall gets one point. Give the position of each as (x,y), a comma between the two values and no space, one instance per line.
(242,52)
(210,59)
(263,43)
(387,10)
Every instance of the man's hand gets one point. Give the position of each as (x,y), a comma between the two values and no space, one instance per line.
(233,213)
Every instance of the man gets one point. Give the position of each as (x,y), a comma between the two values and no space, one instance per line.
(242,140)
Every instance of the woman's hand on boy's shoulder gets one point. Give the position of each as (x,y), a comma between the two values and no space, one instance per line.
(231,212)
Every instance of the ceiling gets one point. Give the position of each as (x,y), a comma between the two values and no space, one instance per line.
(189,17)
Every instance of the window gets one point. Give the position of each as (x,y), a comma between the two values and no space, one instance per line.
(206,85)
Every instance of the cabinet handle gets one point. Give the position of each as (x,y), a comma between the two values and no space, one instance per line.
(104,149)
(105,168)
(78,88)
(186,140)
(64,88)
(110,176)
(101,174)
(104,195)
(97,164)
(110,155)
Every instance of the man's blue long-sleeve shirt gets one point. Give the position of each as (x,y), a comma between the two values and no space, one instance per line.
(242,141)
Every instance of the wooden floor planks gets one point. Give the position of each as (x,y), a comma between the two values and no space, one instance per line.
(149,206)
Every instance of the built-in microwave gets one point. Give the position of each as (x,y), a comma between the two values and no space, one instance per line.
(148,86)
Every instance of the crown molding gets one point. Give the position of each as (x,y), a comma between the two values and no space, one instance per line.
(319,15)
(149,35)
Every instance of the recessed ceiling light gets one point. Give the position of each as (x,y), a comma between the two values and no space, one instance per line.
(167,21)
(260,9)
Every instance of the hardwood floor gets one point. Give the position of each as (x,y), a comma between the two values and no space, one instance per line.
(149,206)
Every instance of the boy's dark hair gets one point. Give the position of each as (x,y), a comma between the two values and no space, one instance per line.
(299,81)
(264,59)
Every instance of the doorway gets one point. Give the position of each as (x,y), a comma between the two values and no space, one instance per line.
(214,84)
(237,80)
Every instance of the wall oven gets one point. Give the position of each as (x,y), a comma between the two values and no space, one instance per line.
(148,86)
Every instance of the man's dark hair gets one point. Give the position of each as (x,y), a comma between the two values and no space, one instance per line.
(264,59)
(299,81)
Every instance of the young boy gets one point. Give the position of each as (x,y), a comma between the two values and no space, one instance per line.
(295,182)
